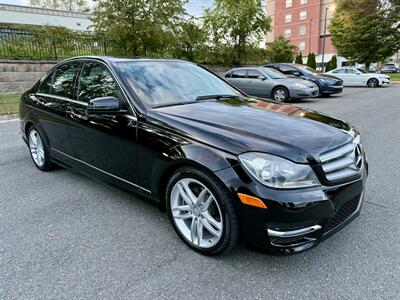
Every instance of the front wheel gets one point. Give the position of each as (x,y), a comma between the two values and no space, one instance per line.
(201,212)
(280,94)
(373,82)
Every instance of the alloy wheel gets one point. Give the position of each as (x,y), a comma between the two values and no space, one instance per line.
(36,148)
(196,213)
(280,95)
(373,83)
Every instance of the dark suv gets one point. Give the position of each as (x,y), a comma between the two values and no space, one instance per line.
(327,84)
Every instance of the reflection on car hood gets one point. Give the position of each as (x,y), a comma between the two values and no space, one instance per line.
(324,75)
(289,81)
(238,126)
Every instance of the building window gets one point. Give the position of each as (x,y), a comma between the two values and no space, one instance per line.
(302,30)
(288,18)
(288,3)
(303,15)
(303,1)
(302,46)
(288,33)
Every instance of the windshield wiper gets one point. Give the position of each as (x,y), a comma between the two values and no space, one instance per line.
(217,97)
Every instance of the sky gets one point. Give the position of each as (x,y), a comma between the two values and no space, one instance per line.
(194,7)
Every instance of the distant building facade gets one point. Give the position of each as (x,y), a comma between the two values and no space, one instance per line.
(302,22)
(28,15)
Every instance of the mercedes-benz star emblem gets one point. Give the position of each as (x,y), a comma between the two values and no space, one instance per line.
(358,157)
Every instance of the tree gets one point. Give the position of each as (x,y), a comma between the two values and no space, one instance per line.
(71,5)
(332,64)
(299,59)
(280,50)
(236,24)
(140,27)
(366,31)
(190,41)
(311,62)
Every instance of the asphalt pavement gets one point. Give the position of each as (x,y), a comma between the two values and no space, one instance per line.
(65,236)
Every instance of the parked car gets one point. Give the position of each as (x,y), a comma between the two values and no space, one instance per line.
(222,164)
(327,84)
(267,82)
(390,68)
(358,77)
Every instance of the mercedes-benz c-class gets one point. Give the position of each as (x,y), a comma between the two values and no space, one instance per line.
(226,167)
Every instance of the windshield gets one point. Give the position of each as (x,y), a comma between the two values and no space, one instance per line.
(159,83)
(308,70)
(274,74)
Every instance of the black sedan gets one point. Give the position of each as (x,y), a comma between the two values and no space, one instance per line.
(327,84)
(223,165)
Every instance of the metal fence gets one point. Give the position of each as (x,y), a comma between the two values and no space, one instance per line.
(20,44)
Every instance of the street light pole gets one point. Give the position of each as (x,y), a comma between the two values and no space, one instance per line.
(323,42)
(309,39)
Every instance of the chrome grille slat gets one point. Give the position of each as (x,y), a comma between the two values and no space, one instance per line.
(342,174)
(340,163)
(337,164)
(339,152)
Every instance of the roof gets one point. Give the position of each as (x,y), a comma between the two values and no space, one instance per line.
(113,59)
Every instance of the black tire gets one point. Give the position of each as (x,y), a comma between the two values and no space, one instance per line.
(278,91)
(47,164)
(373,83)
(230,231)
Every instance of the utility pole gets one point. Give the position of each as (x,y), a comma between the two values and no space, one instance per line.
(323,42)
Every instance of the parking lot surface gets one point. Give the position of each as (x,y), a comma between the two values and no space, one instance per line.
(65,236)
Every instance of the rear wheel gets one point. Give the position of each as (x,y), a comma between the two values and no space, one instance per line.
(373,82)
(280,94)
(39,150)
(201,212)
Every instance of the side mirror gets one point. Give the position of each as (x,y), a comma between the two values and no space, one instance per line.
(104,105)
(262,77)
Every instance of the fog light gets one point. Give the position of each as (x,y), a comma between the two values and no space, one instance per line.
(252,201)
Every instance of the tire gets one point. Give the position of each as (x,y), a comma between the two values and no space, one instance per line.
(372,83)
(280,94)
(213,216)
(39,150)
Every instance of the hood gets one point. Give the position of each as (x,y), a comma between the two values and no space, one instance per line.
(237,126)
(325,75)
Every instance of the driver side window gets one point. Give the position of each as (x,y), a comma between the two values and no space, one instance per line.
(96,81)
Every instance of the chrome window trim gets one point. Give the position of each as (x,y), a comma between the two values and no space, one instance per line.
(100,170)
(62,98)
(293,233)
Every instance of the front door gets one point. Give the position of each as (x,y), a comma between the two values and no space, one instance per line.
(258,84)
(104,142)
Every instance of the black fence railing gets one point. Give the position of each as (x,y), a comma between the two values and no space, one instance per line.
(20,44)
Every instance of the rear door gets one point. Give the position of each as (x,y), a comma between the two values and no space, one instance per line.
(341,73)
(238,78)
(106,143)
(52,99)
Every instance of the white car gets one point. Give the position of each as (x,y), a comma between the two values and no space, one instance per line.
(358,77)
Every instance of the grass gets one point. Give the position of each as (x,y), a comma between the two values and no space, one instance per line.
(394,76)
(9,104)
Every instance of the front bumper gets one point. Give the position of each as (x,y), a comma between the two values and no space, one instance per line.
(304,93)
(295,220)
(331,89)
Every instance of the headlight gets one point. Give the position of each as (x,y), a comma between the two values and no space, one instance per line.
(277,172)
(329,81)
(298,85)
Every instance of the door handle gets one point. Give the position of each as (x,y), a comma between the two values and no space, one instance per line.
(74,115)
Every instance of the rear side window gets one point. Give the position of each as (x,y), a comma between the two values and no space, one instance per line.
(287,69)
(339,71)
(45,86)
(96,81)
(239,74)
(64,80)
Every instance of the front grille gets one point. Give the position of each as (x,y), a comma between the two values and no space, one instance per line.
(339,83)
(344,212)
(344,162)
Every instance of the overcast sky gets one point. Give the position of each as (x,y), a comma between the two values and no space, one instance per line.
(194,7)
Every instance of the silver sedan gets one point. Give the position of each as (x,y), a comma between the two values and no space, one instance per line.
(269,83)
